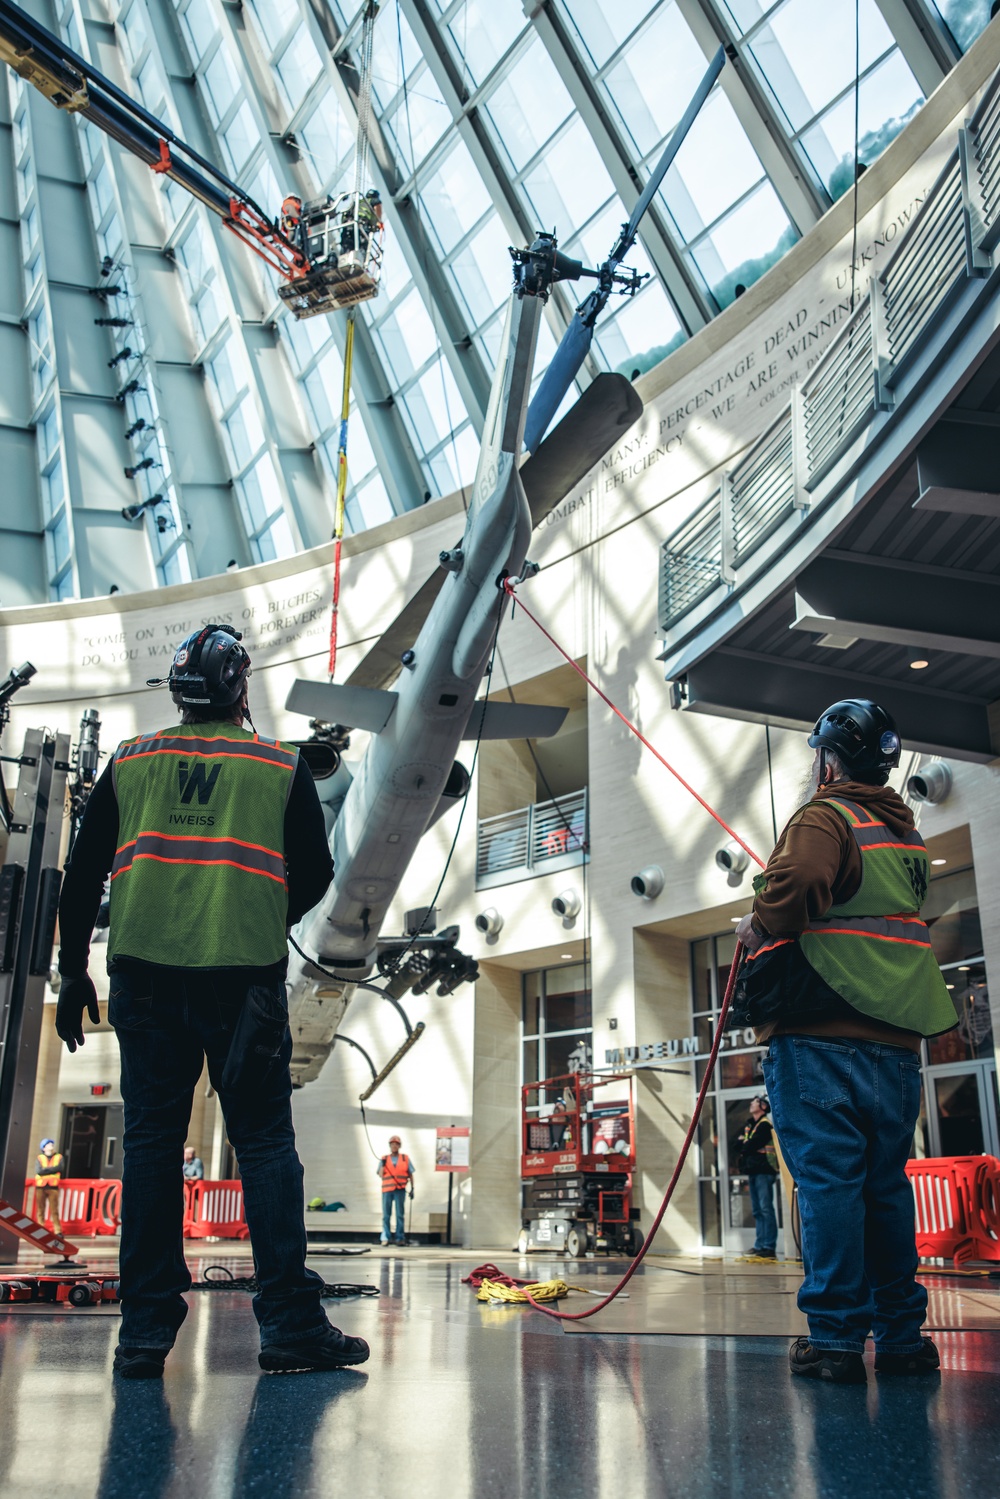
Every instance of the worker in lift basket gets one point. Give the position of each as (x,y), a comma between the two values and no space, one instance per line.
(215,841)
(841,982)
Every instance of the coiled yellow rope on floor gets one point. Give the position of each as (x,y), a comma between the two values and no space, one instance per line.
(543,1290)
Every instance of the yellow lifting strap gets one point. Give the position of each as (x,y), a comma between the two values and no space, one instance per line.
(339,512)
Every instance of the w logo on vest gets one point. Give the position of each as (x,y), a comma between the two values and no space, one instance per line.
(193,779)
(916,869)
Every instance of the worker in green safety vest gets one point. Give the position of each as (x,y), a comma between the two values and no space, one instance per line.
(214,840)
(842,983)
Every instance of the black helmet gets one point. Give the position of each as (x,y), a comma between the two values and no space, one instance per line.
(863,737)
(209,669)
(373,195)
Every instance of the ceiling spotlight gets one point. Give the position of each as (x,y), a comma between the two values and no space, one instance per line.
(137,468)
(919,664)
(963,967)
(939,861)
(736,920)
(567,957)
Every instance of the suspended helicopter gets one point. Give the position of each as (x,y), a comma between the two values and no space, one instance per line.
(415,692)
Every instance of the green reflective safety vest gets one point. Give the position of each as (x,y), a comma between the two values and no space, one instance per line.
(874,950)
(199,877)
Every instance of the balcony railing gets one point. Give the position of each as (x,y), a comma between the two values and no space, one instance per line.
(540,839)
(950,239)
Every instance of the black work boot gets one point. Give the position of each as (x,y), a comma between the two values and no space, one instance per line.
(334,1350)
(826,1363)
(140,1363)
(925,1361)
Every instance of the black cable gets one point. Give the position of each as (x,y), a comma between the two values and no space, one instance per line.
(770,778)
(857,93)
(465,800)
(223,1279)
(315,963)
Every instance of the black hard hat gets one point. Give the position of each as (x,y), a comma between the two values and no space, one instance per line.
(373,195)
(863,737)
(209,668)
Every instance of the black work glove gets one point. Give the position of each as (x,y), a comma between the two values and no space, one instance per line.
(411,1194)
(75,996)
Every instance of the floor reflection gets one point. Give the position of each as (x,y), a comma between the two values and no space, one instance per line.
(491,1403)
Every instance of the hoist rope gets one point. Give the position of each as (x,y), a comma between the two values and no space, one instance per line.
(340,510)
(508,586)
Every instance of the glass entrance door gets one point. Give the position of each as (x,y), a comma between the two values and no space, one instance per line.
(738,1228)
(962,1109)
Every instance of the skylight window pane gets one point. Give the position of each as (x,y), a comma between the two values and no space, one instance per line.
(965,19)
(276,541)
(327,137)
(419,121)
(259,493)
(245,433)
(407,337)
(647,321)
(888,98)
(395,53)
(454,197)
(220,85)
(481,32)
(136,37)
(373,502)
(274,17)
(528,106)
(199,27)
(655,77)
(482,270)
(240,137)
(299,67)
(323,390)
(602,27)
(570,183)
(434,406)
(715,166)
(744,244)
(806,52)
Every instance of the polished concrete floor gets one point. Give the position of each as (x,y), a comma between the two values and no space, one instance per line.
(460,1399)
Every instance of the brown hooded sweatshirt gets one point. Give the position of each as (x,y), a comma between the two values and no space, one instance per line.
(816,864)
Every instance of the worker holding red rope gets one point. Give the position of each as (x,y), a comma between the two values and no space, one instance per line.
(842,982)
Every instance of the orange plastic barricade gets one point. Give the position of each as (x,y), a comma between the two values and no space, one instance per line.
(214,1210)
(87,1207)
(957,1200)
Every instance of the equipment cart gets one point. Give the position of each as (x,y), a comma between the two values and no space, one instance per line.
(577,1160)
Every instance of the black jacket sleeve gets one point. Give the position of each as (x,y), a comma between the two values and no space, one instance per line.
(85,876)
(307,852)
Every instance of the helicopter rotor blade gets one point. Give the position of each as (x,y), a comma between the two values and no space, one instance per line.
(665,162)
(556,381)
(606,409)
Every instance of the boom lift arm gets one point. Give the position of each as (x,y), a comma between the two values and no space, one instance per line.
(314,281)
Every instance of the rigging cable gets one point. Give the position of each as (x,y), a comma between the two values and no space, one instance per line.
(723,1013)
(857,92)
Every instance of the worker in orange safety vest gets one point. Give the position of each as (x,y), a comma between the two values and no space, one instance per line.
(396,1171)
(48,1175)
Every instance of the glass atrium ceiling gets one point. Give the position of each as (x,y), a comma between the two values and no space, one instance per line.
(489,124)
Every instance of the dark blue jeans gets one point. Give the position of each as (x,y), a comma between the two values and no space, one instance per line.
(168,1021)
(399,1198)
(845,1112)
(764,1217)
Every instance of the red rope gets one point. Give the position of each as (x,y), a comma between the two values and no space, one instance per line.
(699,1103)
(335,611)
(509,588)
